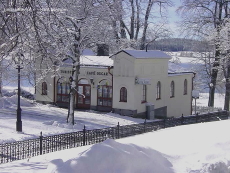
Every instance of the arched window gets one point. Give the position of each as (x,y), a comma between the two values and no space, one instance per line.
(123,94)
(158,95)
(172,89)
(63,90)
(44,88)
(185,87)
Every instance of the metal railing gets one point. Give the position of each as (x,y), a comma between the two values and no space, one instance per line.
(42,145)
(205,109)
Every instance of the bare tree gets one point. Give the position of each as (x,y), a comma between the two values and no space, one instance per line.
(200,19)
(80,24)
(225,59)
(137,19)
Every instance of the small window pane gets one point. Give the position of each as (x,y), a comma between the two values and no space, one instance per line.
(87,101)
(100,102)
(109,102)
(100,91)
(80,99)
(105,92)
(105,102)
(59,98)
(110,92)
(65,98)
(87,91)
(80,89)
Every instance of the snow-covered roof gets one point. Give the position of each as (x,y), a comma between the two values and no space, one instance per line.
(176,69)
(144,54)
(96,60)
(103,61)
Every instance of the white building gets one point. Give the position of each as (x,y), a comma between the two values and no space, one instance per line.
(128,83)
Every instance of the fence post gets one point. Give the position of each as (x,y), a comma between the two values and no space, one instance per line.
(41,137)
(164,122)
(84,136)
(182,119)
(196,117)
(144,126)
(209,117)
(118,131)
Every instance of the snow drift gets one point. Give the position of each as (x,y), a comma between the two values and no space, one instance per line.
(111,156)
(11,102)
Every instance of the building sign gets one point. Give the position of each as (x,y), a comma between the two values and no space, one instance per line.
(97,73)
(87,73)
(142,81)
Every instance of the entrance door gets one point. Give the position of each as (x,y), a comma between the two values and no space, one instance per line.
(83,96)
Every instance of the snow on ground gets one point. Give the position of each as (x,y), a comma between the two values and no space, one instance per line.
(198,148)
(203,100)
(51,120)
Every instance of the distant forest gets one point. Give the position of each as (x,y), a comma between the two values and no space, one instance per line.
(179,44)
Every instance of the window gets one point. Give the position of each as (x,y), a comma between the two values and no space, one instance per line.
(44,88)
(123,94)
(63,90)
(104,94)
(158,95)
(144,89)
(172,89)
(185,87)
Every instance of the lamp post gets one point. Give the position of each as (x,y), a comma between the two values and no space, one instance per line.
(195,95)
(19,110)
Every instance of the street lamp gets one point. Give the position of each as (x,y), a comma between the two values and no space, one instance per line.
(195,95)
(18,61)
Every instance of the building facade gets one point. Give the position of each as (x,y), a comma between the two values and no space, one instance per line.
(127,83)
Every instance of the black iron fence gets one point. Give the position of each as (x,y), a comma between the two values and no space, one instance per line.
(205,109)
(33,147)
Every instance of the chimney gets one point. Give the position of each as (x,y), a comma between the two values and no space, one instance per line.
(102,50)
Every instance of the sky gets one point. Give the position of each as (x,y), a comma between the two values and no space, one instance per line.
(174,17)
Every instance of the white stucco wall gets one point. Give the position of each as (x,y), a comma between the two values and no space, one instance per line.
(50,94)
(180,103)
(126,69)
(155,70)
(97,74)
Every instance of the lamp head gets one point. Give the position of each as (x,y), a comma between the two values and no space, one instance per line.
(92,81)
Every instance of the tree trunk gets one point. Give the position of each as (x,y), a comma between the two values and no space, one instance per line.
(123,33)
(1,78)
(143,39)
(132,21)
(227,84)
(74,84)
(214,71)
(137,20)
(227,94)
(116,36)
(227,76)
(213,83)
